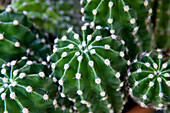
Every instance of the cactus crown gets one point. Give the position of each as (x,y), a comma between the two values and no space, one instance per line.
(149,80)
(78,62)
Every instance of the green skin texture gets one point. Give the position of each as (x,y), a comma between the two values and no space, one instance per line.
(24,33)
(161,24)
(34,100)
(121,21)
(55,23)
(142,88)
(91,90)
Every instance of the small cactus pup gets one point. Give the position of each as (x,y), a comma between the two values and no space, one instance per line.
(150,80)
(51,16)
(123,17)
(18,37)
(25,88)
(89,68)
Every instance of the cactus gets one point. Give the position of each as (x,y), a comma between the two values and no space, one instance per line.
(89,69)
(161,24)
(125,18)
(54,17)
(25,88)
(149,80)
(18,37)
(78,62)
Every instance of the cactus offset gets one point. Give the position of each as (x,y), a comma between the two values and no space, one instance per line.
(150,80)
(18,37)
(79,61)
(25,88)
(53,16)
(125,18)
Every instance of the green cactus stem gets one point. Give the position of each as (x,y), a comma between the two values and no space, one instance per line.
(150,80)
(25,88)
(124,18)
(18,37)
(89,68)
(161,24)
(51,15)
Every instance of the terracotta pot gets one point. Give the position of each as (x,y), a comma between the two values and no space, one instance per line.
(138,109)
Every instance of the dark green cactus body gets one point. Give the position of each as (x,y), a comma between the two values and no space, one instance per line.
(89,67)
(25,88)
(142,13)
(18,37)
(53,16)
(150,80)
(161,24)
(125,18)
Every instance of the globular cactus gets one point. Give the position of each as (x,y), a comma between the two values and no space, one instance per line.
(51,15)
(150,80)
(25,88)
(128,19)
(18,37)
(160,21)
(89,68)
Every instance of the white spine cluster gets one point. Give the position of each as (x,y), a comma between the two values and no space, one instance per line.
(60,82)
(103,93)
(42,74)
(3,96)
(25,110)
(132,21)
(12,95)
(91,63)
(64,54)
(126,8)
(22,75)
(110,4)
(78,76)
(1,36)
(79,92)
(29,89)
(17,44)
(15,22)
(94,12)
(107,62)
(45,97)
(97,80)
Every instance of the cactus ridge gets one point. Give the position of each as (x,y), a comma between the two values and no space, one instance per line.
(21,39)
(77,62)
(25,88)
(149,80)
